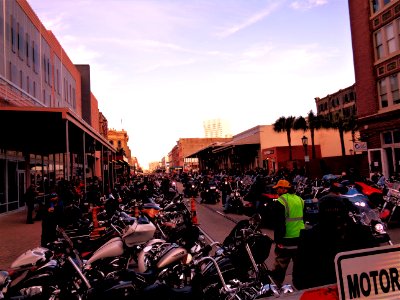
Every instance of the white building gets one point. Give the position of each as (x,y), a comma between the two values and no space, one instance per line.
(217,128)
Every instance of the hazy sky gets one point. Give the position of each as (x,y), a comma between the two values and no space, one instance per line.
(160,68)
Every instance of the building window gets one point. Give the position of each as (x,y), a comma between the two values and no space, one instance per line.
(383,92)
(35,59)
(396,136)
(375,5)
(13,34)
(58,81)
(28,84)
(27,42)
(19,41)
(21,80)
(394,87)
(48,71)
(391,43)
(378,45)
(34,89)
(73,99)
(387,138)
(44,68)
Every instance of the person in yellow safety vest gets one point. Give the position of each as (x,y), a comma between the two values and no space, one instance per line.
(288,221)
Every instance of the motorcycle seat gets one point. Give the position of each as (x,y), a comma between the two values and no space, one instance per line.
(151,205)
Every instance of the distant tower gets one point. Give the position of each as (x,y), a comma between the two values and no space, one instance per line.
(217,128)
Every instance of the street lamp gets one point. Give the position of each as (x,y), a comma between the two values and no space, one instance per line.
(304,141)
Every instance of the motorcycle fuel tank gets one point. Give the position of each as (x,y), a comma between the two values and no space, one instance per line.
(113,247)
(153,243)
(30,258)
(172,255)
(137,234)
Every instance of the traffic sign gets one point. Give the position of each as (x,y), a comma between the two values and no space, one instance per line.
(371,273)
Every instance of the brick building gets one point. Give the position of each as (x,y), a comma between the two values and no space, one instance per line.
(119,139)
(375,35)
(342,102)
(186,146)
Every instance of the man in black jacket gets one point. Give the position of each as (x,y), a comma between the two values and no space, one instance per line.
(335,232)
(29,198)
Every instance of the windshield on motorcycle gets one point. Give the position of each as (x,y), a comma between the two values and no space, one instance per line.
(364,209)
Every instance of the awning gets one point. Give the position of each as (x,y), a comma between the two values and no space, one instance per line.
(250,139)
(40,130)
(206,148)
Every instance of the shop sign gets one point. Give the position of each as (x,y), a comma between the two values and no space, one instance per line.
(360,146)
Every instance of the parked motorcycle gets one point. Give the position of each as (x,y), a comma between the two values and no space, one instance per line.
(41,273)
(365,215)
(242,256)
(121,252)
(391,203)
(237,270)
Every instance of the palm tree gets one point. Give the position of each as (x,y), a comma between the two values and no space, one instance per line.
(284,124)
(314,122)
(342,124)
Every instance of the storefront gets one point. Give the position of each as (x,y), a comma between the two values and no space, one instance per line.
(43,145)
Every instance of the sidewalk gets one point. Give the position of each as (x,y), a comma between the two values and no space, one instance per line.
(17,236)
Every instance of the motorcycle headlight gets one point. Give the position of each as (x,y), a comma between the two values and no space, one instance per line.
(379,228)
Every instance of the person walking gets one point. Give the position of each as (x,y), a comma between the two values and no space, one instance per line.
(288,221)
(29,199)
(226,190)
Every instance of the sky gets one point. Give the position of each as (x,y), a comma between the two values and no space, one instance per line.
(159,68)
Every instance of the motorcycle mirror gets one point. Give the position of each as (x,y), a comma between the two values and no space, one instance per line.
(255,220)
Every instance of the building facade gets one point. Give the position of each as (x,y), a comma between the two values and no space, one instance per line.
(375,33)
(251,149)
(58,134)
(342,102)
(186,146)
(119,139)
(217,128)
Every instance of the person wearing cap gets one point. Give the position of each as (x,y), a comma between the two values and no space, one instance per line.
(288,221)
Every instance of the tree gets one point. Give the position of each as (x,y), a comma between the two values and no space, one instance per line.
(342,124)
(314,122)
(284,124)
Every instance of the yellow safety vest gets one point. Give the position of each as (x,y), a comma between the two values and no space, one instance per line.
(294,206)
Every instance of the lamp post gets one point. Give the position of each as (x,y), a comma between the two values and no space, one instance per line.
(304,141)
